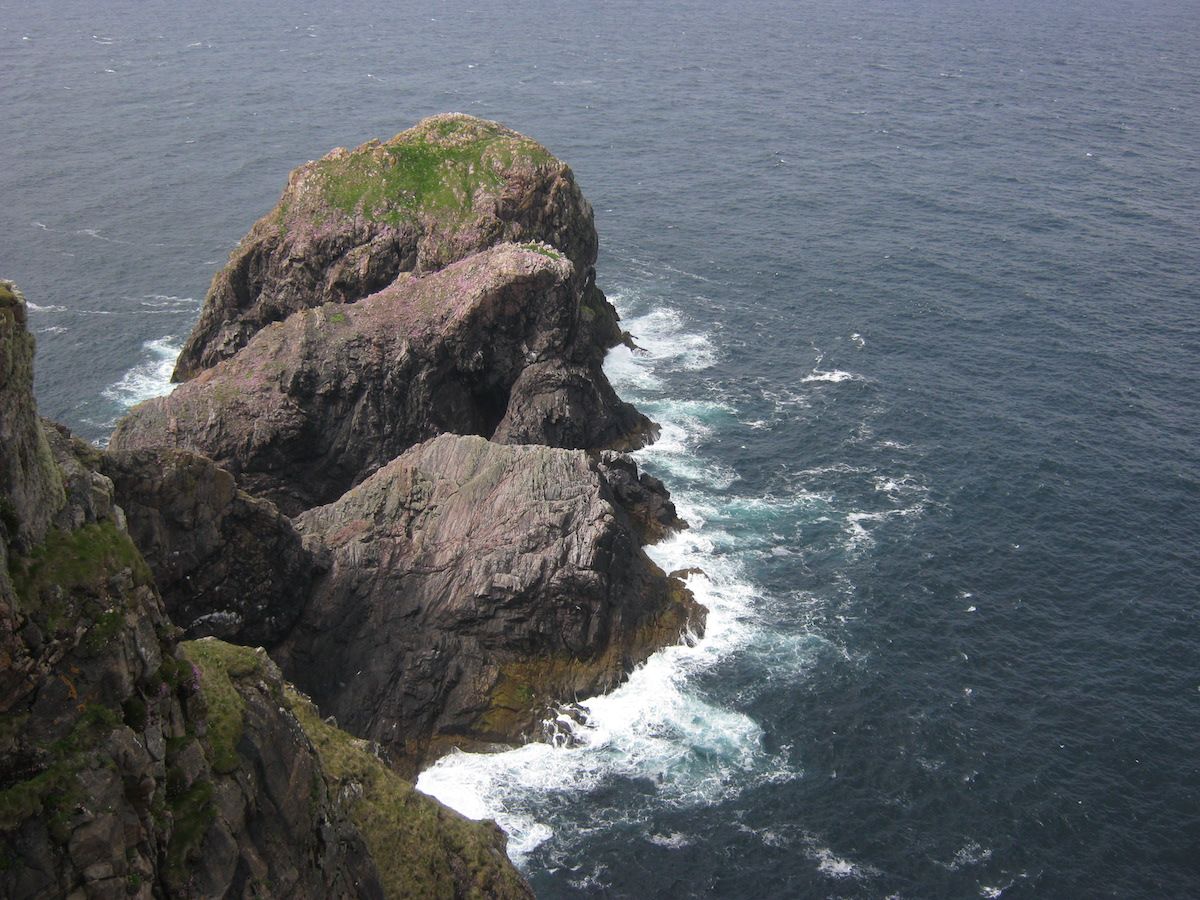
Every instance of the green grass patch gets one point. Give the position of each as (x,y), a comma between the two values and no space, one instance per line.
(53,792)
(544,250)
(220,664)
(438,168)
(81,559)
(192,813)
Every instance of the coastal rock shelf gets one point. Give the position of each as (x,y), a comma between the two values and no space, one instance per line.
(393,476)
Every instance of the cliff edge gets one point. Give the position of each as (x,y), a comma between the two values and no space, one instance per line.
(132,765)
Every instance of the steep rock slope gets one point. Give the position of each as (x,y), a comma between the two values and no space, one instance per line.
(472,588)
(227,564)
(315,403)
(349,223)
(131,766)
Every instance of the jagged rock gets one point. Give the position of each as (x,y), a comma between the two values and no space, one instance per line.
(644,497)
(474,586)
(564,404)
(31,489)
(314,404)
(348,224)
(226,564)
(132,768)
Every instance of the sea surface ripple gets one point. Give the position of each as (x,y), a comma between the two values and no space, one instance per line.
(916,287)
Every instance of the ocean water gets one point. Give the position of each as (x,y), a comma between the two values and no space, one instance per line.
(916,287)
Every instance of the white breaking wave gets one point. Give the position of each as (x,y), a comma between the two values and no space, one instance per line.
(657,727)
(149,378)
(833,377)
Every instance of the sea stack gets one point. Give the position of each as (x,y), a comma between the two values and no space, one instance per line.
(393,476)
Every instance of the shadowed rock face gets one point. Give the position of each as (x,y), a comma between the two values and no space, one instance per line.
(30,487)
(495,344)
(348,224)
(227,564)
(473,587)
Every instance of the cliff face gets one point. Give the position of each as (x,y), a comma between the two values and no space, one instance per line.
(134,766)
(29,481)
(227,564)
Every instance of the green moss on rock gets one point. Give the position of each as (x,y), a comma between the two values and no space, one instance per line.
(220,664)
(80,559)
(192,812)
(420,848)
(53,790)
(437,167)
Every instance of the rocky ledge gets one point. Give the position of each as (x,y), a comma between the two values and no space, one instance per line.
(394,471)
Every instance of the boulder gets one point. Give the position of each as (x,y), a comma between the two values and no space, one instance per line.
(472,588)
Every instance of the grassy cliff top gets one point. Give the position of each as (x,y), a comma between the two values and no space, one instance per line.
(447,166)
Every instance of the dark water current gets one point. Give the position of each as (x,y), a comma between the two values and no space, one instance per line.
(917,283)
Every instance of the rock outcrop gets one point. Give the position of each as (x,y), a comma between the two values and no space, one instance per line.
(227,564)
(349,223)
(405,357)
(133,766)
(494,345)
(30,486)
(473,587)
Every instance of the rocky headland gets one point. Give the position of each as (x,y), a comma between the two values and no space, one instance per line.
(391,477)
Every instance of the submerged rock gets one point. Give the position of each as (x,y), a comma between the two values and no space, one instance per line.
(472,588)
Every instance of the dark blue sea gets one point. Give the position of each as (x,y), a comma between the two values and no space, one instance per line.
(916,283)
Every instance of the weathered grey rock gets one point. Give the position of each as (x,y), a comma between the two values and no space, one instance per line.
(474,586)
(226,564)
(348,224)
(313,405)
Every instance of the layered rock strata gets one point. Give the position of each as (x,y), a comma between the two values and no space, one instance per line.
(472,588)
(491,345)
